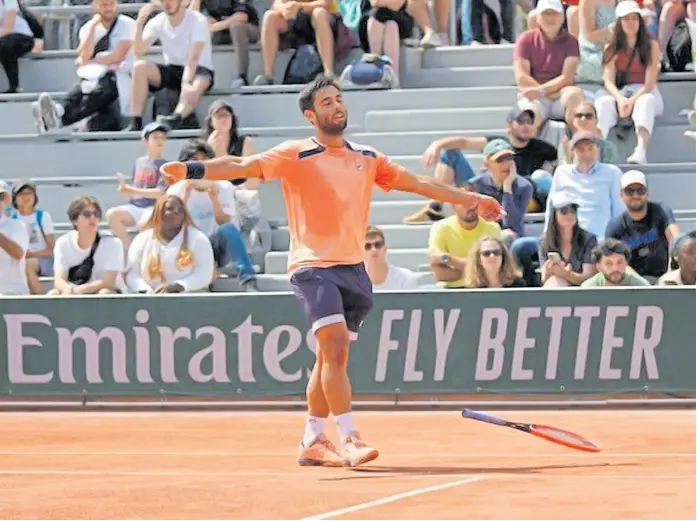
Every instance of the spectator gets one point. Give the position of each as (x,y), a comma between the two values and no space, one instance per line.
(571,17)
(632,64)
(596,20)
(584,117)
(298,22)
(39,253)
(611,258)
(418,9)
(647,228)
(16,40)
(188,60)
(491,21)
(595,185)
(565,248)
(86,262)
(534,159)
(384,276)
(236,22)
(14,242)
(545,61)
(147,184)
(170,255)
(682,263)
(452,239)
(490,265)
(672,13)
(106,46)
(383,25)
(211,205)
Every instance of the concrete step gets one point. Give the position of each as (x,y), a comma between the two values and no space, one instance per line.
(486,55)
(435,119)
(459,77)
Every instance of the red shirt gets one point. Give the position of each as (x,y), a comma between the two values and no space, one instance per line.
(546,57)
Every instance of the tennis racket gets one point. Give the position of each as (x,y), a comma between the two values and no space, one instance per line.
(553,434)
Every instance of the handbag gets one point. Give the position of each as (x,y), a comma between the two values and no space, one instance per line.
(622,77)
(82,273)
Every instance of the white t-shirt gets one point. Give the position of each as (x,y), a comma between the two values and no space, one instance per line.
(397,278)
(176,41)
(13,275)
(193,278)
(108,257)
(37,241)
(200,206)
(124,30)
(21,26)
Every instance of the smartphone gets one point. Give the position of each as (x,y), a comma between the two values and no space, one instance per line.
(553,256)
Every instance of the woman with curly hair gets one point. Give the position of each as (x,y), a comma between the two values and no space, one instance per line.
(491,265)
(170,255)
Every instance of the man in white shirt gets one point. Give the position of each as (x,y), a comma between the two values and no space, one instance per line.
(188,59)
(384,276)
(14,241)
(104,61)
(16,40)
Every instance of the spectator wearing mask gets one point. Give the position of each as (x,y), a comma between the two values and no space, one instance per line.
(146,186)
(188,60)
(104,60)
(86,262)
(585,118)
(647,228)
(545,61)
(682,263)
(14,243)
(611,258)
(211,205)
(16,40)
(383,275)
(534,159)
(490,265)
(39,254)
(632,65)
(565,248)
(236,22)
(452,239)
(596,20)
(170,255)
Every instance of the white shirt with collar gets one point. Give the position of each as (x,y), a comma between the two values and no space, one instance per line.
(13,275)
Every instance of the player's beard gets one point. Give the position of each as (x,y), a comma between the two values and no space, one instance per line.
(333,128)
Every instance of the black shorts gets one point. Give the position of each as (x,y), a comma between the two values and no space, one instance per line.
(171,77)
(405,23)
(301,32)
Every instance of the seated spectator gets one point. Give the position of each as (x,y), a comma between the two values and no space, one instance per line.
(188,60)
(534,160)
(571,17)
(501,181)
(432,37)
(585,118)
(565,248)
(611,258)
(490,265)
(14,242)
(211,205)
(298,22)
(87,262)
(647,228)
(39,254)
(236,22)
(452,239)
(104,60)
(596,21)
(170,255)
(682,263)
(632,64)
(384,276)
(545,61)
(673,12)
(16,40)
(146,186)
(595,185)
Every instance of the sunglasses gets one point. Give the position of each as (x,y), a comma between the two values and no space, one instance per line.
(377,245)
(567,209)
(632,191)
(585,115)
(90,213)
(491,253)
(525,120)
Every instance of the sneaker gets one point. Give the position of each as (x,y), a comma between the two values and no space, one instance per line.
(46,112)
(431,40)
(355,452)
(173,121)
(321,453)
(638,157)
(38,120)
(690,134)
(238,83)
(424,216)
(263,80)
(250,285)
(692,117)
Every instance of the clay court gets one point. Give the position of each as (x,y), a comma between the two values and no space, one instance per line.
(191,465)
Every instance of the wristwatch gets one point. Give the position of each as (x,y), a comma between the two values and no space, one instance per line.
(445,259)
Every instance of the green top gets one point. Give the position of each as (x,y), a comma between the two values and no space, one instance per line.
(630,279)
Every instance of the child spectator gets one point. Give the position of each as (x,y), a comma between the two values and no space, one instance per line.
(14,242)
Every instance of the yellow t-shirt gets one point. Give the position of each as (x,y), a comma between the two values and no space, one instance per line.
(449,236)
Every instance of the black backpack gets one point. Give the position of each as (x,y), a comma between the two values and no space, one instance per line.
(304,66)
(33,22)
(679,51)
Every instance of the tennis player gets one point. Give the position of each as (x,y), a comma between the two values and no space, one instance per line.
(327,185)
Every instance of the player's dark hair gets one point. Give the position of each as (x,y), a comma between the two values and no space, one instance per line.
(193,147)
(610,247)
(307,94)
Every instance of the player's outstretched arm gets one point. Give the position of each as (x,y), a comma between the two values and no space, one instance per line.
(223,168)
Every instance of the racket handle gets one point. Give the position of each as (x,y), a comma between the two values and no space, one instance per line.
(474,415)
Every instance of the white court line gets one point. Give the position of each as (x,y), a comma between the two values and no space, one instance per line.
(478,455)
(392,499)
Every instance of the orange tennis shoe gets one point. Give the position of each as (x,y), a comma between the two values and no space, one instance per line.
(322,453)
(355,452)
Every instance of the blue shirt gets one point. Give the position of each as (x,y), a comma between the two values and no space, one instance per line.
(515,203)
(598,194)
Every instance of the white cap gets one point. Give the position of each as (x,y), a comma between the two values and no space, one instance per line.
(4,187)
(547,5)
(563,199)
(627,7)
(633,177)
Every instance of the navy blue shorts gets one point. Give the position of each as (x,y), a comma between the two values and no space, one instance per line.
(333,295)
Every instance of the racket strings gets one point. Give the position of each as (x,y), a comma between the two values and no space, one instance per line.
(564,436)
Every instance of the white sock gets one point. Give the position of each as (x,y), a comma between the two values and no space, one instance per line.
(314,426)
(345,424)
